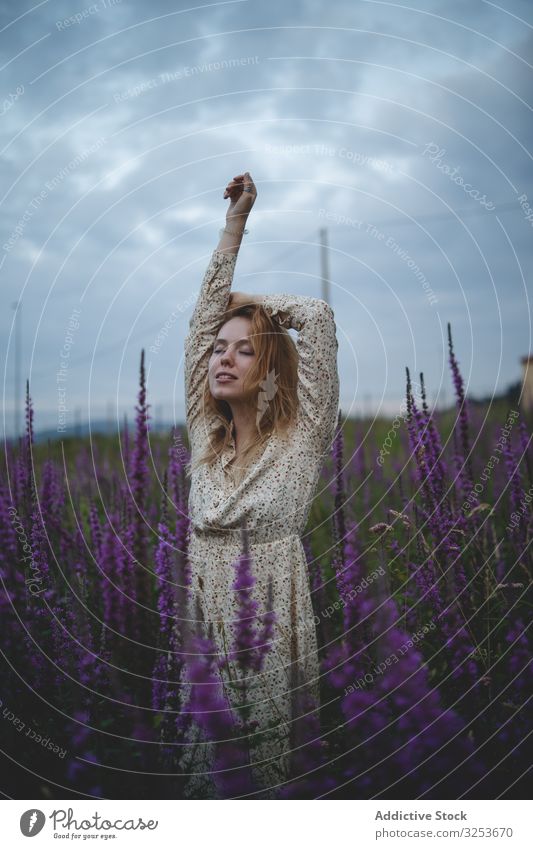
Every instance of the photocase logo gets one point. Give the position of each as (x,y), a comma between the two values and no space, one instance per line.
(268,390)
(32,822)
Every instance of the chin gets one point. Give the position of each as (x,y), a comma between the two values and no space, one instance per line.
(223,393)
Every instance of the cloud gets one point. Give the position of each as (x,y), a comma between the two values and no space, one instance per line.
(330,106)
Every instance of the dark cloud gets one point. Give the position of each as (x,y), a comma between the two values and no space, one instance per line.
(121,126)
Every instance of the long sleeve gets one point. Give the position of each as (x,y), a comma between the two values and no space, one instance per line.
(211,304)
(317,345)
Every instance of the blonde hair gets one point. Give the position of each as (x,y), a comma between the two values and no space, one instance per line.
(275,353)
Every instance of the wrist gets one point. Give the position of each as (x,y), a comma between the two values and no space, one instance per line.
(235,225)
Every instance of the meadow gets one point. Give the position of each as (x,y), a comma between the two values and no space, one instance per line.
(419,553)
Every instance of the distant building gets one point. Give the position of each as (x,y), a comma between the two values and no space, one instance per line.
(527,392)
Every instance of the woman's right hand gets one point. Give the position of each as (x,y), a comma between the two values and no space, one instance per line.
(242,299)
(241,201)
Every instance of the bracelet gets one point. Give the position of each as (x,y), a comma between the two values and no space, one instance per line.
(232,232)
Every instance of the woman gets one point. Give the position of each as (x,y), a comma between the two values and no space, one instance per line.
(261,414)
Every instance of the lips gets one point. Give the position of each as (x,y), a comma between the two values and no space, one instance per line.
(224,376)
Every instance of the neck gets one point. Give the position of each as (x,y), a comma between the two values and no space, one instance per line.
(244,424)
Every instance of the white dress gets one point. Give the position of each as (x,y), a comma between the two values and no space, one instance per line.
(274,499)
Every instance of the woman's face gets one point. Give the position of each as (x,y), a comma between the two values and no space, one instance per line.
(232,355)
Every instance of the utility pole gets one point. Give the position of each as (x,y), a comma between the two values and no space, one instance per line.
(324,263)
(17,307)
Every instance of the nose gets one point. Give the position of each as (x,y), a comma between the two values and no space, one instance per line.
(227,356)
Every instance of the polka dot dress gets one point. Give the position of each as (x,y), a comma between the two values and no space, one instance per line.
(274,499)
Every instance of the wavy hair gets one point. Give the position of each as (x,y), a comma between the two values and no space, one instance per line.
(276,400)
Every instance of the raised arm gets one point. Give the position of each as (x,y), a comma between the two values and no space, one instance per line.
(317,345)
(211,304)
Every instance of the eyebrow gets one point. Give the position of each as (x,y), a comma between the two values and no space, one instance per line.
(239,342)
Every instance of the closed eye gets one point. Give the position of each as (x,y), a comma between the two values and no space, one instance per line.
(247,353)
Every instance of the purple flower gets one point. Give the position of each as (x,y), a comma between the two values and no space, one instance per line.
(309,773)
(349,575)
(264,641)
(398,718)
(339,519)
(96,530)
(211,711)
(139,483)
(462,420)
(249,646)
(166,605)
(244,644)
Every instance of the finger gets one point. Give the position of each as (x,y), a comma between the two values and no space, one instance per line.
(249,183)
(233,185)
(234,192)
(233,189)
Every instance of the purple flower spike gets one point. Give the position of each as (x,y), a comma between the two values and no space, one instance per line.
(210,710)
(244,645)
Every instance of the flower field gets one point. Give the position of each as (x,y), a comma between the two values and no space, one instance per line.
(419,554)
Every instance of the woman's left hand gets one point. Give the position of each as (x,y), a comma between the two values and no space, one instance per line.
(241,201)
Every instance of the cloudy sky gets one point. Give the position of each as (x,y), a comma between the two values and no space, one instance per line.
(404,128)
